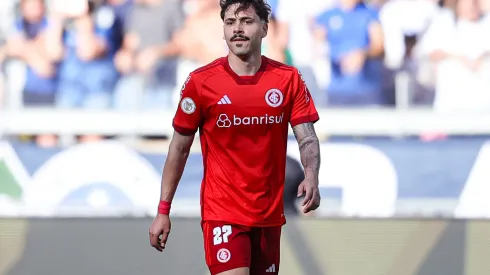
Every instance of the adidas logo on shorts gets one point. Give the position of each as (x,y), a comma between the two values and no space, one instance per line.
(271,269)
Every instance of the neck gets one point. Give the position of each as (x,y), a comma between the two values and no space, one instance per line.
(348,5)
(245,66)
(33,20)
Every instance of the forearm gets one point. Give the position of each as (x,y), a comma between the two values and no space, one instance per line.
(309,148)
(375,51)
(172,172)
(18,47)
(168,50)
(440,55)
(53,40)
(89,46)
(31,54)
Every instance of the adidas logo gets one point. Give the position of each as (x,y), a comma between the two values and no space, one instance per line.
(271,269)
(225,100)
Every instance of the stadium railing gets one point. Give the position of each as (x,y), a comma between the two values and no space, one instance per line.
(400,121)
(362,122)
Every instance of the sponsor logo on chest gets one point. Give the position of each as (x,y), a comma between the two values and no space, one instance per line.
(269,113)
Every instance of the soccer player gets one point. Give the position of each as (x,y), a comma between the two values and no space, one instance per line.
(242,105)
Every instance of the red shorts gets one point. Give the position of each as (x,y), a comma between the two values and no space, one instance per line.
(229,246)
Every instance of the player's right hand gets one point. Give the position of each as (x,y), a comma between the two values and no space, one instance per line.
(159,231)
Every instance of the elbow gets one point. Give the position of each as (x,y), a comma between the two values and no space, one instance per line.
(15,51)
(86,54)
(90,50)
(55,54)
(377,50)
(437,56)
(182,150)
(315,141)
(311,140)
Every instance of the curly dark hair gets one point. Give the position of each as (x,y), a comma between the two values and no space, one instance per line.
(262,9)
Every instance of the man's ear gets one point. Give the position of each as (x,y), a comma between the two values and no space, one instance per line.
(265,29)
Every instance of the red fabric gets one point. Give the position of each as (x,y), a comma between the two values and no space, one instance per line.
(228,246)
(164,207)
(243,125)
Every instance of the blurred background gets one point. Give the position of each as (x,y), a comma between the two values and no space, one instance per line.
(88,90)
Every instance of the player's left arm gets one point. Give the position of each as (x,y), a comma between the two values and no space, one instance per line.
(309,148)
(303,117)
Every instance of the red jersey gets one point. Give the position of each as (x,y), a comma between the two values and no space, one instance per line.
(243,125)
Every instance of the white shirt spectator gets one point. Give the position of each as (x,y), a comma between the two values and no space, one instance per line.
(298,15)
(404,17)
(458,86)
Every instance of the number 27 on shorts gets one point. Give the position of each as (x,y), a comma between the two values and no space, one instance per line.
(221,234)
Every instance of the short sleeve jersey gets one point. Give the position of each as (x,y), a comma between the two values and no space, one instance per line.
(243,125)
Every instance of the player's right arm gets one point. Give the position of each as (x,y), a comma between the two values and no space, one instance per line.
(178,152)
(186,122)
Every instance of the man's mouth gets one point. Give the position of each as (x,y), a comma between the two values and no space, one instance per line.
(239,39)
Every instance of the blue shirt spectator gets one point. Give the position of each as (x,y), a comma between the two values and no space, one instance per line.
(87,72)
(27,44)
(121,9)
(355,42)
(36,83)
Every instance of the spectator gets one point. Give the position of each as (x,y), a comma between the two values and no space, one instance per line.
(27,44)
(2,77)
(121,9)
(7,18)
(3,53)
(356,46)
(201,39)
(82,36)
(270,45)
(403,21)
(148,58)
(459,44)
(294,34)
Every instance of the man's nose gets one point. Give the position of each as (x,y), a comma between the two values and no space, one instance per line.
(238,28)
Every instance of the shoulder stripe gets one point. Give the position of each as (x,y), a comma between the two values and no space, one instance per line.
(281,66)
(208,66)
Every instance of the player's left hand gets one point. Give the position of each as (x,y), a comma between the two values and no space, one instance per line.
(311,201)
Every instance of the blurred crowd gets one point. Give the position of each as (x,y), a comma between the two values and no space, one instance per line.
(134,54)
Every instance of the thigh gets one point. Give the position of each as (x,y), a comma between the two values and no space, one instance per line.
(226,246)
(266,255)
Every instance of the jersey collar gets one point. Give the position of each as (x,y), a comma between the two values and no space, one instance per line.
(245,80)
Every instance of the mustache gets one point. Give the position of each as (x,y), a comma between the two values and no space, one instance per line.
(239,36)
